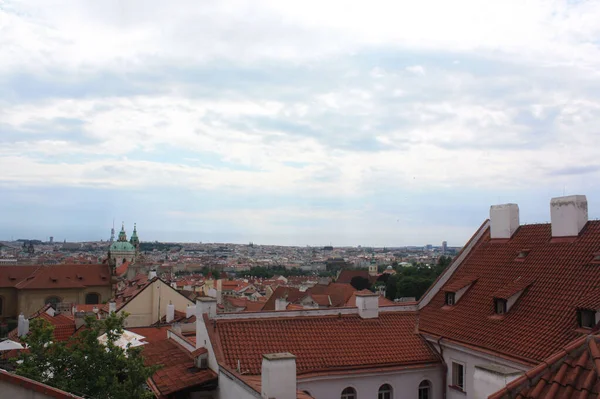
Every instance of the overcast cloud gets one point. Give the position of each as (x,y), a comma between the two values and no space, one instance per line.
(315,122)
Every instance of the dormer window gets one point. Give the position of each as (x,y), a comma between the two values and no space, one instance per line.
(500,306)
(522,255)
(450,298)
(456,289)
(596,258)
(586,318)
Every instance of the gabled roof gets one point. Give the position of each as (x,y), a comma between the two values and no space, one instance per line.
(339,293)
(544,318)
(459,283)
(322,344)
(293,294)
(64,327)
(346,276)
(573,372)
(512,288)
(55,276)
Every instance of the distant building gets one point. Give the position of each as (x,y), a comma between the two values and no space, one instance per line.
(122,251)
(444,247)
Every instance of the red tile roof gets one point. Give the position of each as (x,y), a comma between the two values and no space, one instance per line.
(544,318)
(340,293)
(512,288)
(590,301)
(346,276)
(459,283)
(573,372)
(121,270)
(383,301)
(292,294)
(178,371)
(64,327)
(35,386)
(54,276)
(322,343)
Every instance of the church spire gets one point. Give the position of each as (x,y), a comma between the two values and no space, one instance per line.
(122,235)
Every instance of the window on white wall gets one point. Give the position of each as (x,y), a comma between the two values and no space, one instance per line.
(349,393)
(458,375)
(385,392)
(425,390)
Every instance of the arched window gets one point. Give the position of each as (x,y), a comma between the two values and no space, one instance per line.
(92,298)
(1,306)
(349,393)
(425,390)
(385,392)
(52,300)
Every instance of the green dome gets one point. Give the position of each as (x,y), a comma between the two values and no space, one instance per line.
(121,246)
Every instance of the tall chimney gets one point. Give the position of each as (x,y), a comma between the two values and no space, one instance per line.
(278,376)
(206,304)
(151,275)
(281,304)
(189,311)
(22,326)
(112,307)
(367,304)
(568,215)
(170,313)
(504,220)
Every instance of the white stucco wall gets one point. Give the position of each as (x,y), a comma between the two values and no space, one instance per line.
(14,391)
(230,388)
(487,383)
(405,384)
(470,358)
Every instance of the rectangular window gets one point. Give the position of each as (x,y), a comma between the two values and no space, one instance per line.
(450,298)
(587,318)
(500,306)
(458,375)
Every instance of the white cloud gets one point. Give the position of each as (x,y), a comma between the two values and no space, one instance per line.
(416,69)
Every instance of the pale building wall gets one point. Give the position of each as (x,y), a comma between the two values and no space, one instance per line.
(405,384)
(13,391)
(470,358)
(486,383)
(229,388)
(144,308)
(30,301)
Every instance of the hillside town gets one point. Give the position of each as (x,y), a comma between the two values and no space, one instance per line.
(514,313)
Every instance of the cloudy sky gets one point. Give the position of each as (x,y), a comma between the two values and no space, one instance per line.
(294,122)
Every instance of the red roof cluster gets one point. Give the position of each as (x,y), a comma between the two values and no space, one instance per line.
(337,342)
(573,372)
(54,276)
(556,277)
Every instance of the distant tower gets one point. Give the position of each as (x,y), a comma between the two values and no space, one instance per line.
(444,247)
(112,232)
(51,240)
(134,240)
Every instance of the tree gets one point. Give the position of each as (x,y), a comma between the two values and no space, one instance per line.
(360,283)
(83,365)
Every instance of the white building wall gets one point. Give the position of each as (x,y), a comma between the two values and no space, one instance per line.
(405,384)
(230,388)
(470,358)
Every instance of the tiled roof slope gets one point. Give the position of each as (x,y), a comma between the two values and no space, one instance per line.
(544,318)
(54,276)
(293,294)
(573,372)
(383,301)
(339,293)
(346,276)
(324,343)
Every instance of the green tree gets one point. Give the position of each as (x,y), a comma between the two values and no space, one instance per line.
(83,365)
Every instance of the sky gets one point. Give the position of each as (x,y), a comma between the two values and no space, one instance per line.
(383,123)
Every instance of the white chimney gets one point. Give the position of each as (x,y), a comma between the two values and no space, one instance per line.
(190,310)
(367,304)
(568,215)
(206,305)
(278,376)
(22,326)
(151,275)
(112,307)
(504,220)
(170,313)
(281,304)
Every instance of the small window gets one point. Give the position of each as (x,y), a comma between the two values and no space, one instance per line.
(52,300)
(450,298)
(92,298)
(204,362)
(587,318)
(349,393)
(385,392)
(500,306)
(458,376)
(425,390)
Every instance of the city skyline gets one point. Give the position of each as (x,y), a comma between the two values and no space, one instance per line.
(376,124)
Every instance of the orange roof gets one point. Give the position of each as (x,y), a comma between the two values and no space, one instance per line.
(178,371)
(339,293)
(54,276)
(322,343)
(544,318)
(346,276)
(64,327)
(573,372)
(121,270)
(293,294)
(383,301)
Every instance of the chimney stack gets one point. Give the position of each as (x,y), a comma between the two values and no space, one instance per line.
(281,304)
(22,326)
(367,304)
(151,275)
(190,310)
(207,305)
(568,215)
(504,220)
(278,376)
(170,313)
(112,307)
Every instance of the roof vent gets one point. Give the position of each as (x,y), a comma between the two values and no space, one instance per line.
(568,215)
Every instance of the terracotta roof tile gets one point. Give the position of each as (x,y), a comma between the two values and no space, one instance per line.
(292,294)
(459,283)
(324,343)
(55,276)
(590,301)
(512,288)
(544,318)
